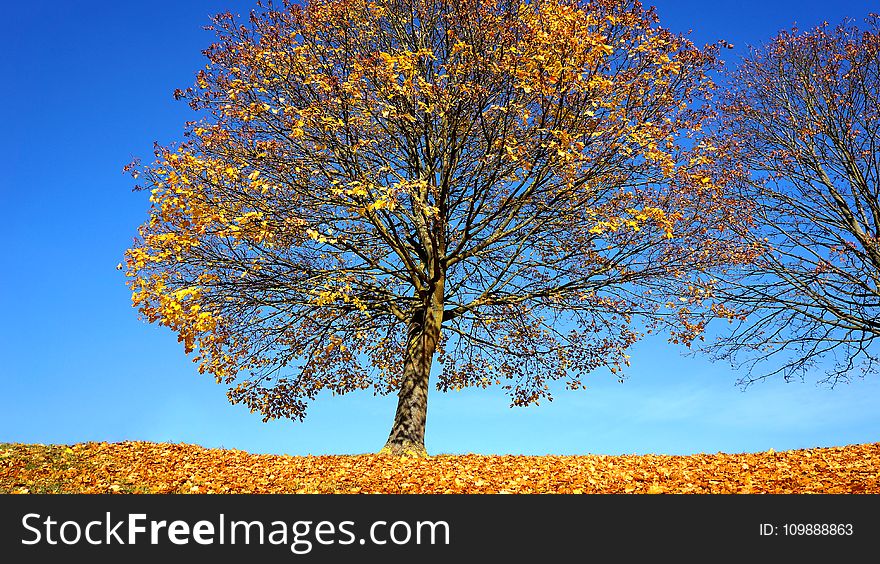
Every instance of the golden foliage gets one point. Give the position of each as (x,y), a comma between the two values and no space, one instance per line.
(142,467)
(534,166)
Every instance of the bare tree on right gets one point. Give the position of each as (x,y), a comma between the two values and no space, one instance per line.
(800,121)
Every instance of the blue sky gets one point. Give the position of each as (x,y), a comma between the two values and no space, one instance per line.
(86,86)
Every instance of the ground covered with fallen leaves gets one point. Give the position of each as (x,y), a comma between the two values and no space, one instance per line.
(142,467)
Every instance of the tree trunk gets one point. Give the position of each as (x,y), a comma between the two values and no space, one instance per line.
(407,437)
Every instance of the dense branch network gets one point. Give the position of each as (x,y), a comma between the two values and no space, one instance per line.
(530,174)
(803,119)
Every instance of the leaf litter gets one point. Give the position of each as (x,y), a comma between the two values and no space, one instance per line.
(145,467)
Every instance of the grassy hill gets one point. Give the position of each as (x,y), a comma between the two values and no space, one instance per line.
(142,467)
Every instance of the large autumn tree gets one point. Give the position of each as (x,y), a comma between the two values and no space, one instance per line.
(802,120)
(507,185)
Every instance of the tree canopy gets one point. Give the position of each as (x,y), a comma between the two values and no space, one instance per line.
(802,123)
(519,187)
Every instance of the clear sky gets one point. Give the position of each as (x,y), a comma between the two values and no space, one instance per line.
(88,85)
